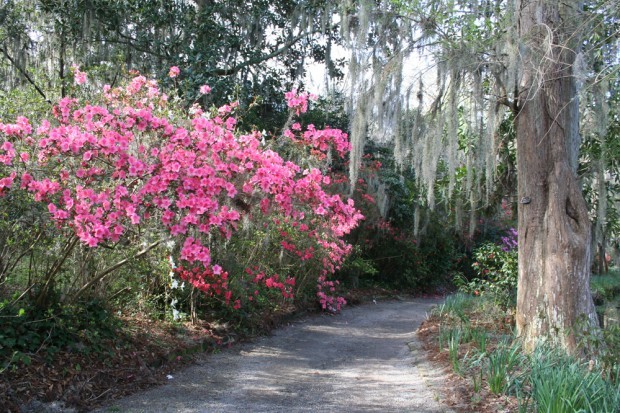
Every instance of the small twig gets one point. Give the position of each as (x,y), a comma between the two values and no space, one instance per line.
(95,398)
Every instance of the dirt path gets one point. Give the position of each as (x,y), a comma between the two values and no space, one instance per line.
(363,360)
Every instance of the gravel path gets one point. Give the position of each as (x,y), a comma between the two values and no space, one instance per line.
(366,359)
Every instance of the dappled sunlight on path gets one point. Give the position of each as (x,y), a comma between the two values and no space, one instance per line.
(358,361)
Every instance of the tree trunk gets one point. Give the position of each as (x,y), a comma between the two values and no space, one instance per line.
(553,299)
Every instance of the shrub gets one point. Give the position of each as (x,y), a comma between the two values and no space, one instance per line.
(83,326)
(496,268)
(405,262)
(133,169)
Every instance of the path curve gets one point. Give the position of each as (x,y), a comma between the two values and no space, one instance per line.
(366,359)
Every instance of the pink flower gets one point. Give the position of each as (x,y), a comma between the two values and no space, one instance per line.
(127,163)
(298,102)
(174,72)
(7,146)
(79,77)
(6,182)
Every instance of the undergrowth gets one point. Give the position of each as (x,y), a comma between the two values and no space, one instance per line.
(84,327)
(481,346)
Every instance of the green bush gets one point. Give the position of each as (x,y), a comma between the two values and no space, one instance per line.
(496,269)
(404,262)
(610,359)
(25,330)
(605,288)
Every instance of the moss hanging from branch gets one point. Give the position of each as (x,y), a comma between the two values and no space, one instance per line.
(426,135)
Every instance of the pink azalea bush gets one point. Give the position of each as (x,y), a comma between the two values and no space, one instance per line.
(174,72)
(79,77)
(131,161)
(298,102)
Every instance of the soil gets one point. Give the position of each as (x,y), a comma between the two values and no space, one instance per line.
(459,391)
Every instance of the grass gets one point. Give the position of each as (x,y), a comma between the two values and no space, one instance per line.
(453,348)
(606,286)
(561,384)
(501,364)
(455,305)
(479,336)
(487,353)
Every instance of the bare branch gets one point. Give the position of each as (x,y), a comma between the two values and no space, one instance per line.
(114,267)
(25,74)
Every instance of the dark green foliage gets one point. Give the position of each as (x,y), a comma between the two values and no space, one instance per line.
(401,261)
(28,329)
(606,295)
(606,288)
(328,112)
(23,224)
(387,243)
(611,356)
(496,273)
(249,52)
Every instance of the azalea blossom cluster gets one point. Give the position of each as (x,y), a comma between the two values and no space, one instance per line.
(298,101)
(131,160)
(326,293)
(510,241)
(79,77)
(320,141)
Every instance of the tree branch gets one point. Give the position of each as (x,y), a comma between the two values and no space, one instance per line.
(114,267)
(11,265)
(131,42)
(25,74)
(43,293)
(260,59)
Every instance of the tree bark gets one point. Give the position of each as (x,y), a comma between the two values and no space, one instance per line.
(554,302)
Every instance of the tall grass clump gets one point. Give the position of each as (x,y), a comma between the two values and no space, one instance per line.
(480,337)
(456,306)
(561,384)
(454,343)
(506,358)
(545,381)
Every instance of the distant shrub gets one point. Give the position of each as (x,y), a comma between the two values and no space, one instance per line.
(496,269)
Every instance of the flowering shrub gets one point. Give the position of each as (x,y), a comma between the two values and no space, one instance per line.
(328,300)
(79,77)
(509,242)
(298,101)
(133,161)
(496,268)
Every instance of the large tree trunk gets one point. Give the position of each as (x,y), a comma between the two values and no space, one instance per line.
(553,300)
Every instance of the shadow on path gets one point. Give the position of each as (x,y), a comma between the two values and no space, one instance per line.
(363,360)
